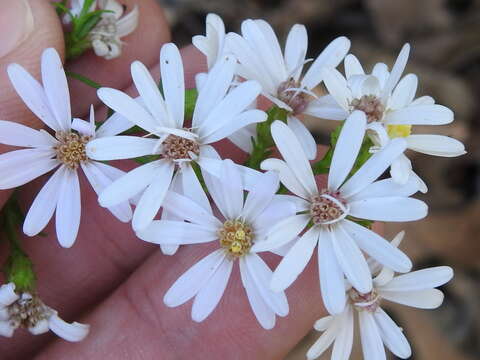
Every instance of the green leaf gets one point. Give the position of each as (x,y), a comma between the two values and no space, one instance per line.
(191,96)
(83,79)
(146,159)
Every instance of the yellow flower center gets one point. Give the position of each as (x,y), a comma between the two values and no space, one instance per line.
(236,237)
(71,148)
(397,131)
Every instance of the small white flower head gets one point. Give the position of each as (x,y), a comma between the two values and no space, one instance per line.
(114,25)
(330,211)
(280,75)
(377,329)
(218,113)
(212,43)
(76,7)
(44,152)
(28,311)
(391,109)
(240,225)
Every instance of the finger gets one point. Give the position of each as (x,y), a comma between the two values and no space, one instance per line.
(105,253)
(143,45)
(134,317)
(26,28)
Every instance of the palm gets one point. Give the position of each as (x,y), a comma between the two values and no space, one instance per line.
(117,281)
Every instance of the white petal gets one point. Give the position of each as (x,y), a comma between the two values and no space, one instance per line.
(387,188)
(279,208)
(404,93)
(128,107)
(423,100)
(56,88)
(352,66)
(177,233)
(324,341)
(291,150)
(420,279)
(70,332)
(120,147)
(282,233)
(219,80)
(152,198)
(32,94)
(332,283)
(436,145)
(420,115)
(324,323)
(114,125)
(351,260)
(129,185)
(190,283)
(261,274)
(233,125)
(264,314)
(99,180)
(22,166)
(342,347)
(346,149)
(231,191)
(330,57)
(392,335)
(295,50)
(192,188)
(260,196)
(389,209)
(326,107)
(210,294)
(150,94)
(173,82)
(243,137)
(295,261)
(236,101)
(377,247)
(380,71)
(422,299)
(42,208)
(372,344)
(304,136)
(373,168)
(128,23)
(41,327)
(286,176)
(7,294)
(67,216)
(337,87)
(401,169)
(397,71)
(20,135)
(6,329)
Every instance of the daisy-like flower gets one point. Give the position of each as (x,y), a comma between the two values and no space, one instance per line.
(217,114)
(391,109)
(240,225)
(66,150)
(28,311)
(330,212)
(280,75)
(377,329)
(114,25)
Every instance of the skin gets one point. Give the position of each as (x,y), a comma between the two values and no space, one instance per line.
(109,278)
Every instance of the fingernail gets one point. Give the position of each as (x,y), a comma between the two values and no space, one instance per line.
(16,23)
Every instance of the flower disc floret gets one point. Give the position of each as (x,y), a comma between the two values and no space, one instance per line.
(371,106)
(179,148)
(70,149)
(289,92)
(365,302)
(236,237)
(27,311)
(327,208)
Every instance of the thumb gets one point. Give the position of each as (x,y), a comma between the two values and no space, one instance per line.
(27,27)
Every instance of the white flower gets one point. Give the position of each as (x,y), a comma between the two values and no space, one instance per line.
(240,225)
(415,289)
(330,211)
(217,115)
(51,103)
(28,311)
(391,109)
(261,59)
(114,25)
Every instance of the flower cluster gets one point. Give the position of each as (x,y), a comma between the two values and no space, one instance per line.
(185,193)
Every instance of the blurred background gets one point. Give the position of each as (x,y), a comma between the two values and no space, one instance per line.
(445,39)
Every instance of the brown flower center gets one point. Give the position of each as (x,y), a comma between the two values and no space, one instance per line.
(236,237)
(371,106)
(71,148)
(105,31)
(365,302)
(296,99)
(179,148)
(27,311)
(327,208)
